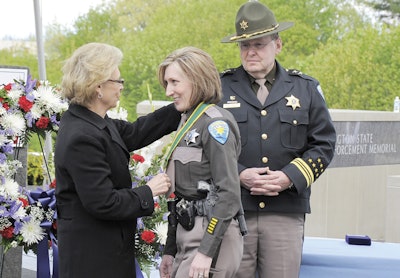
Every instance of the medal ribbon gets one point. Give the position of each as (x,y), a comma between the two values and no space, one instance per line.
(200,109)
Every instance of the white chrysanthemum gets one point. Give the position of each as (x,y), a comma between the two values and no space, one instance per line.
(161,230)
(10,188)
(46,97)
(32,232)
(20,213)
(37,111)
(15,122)
(15,94)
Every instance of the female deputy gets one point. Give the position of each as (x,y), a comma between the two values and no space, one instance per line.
(203,168)
(97,207)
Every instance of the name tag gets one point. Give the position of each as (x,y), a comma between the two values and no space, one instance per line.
(231,105)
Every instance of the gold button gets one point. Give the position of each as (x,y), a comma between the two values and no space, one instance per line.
(264,136)
(261,205)
(294,122)
(264,159)
(263,113)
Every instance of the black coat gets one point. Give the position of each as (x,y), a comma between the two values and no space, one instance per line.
(297,138)
(97,208)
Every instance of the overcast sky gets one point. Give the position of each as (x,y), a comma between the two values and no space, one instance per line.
(18,16)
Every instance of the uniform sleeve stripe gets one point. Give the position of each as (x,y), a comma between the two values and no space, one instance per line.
(304,169)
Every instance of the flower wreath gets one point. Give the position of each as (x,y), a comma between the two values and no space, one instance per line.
(27,218)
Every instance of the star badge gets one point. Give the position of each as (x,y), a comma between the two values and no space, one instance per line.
(293,101)
(244,25)
(191,137)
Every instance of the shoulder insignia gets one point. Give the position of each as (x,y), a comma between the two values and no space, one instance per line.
(227,72)
(294,72)
(219,130)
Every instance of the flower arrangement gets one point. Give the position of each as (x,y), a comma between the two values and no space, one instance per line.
(151,230)
(27,218)
(31,107)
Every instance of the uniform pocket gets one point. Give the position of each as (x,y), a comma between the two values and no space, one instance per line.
(294,125)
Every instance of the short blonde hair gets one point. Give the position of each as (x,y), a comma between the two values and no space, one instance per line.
(89,66)
(200,69)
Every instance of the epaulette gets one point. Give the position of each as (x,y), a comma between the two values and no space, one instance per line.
(227,71)
(296,72)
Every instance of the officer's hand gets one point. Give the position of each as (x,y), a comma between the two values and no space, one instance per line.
(166,266)
(252,177)
(159,184)
(273,183)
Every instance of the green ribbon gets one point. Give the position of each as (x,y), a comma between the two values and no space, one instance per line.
(200,109)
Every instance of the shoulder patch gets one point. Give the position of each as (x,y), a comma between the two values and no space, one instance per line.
(227,72)
(219,130)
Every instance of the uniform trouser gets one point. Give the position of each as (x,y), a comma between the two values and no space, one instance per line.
(230,253)
(273,245)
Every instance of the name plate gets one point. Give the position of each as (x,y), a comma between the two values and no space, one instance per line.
(366,143)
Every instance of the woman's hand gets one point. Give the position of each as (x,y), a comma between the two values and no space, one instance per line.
(200,267)
(159,184)
(166,266)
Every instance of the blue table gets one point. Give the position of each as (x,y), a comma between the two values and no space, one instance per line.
(327,257)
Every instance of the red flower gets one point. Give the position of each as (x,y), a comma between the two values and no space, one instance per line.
(138,158)
(156,205)
(172,196)
(24,202)
(53,184)
(7,232)
(8,87)
(148,236)
(25,104)
(43,122)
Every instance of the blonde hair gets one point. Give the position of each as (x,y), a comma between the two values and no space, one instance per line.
(200,69)
(89,66)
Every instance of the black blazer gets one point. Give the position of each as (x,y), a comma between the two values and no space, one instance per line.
(96,206)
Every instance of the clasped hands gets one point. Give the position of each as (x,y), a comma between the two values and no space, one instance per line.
(263,181)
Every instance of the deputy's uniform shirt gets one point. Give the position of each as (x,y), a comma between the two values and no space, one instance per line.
(209,150)
(292,132)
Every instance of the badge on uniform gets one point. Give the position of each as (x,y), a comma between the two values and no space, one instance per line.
(293,101)
(191,137)
(219,130)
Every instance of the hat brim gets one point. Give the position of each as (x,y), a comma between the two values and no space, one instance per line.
(282,26)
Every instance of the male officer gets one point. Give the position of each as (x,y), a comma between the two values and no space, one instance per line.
(288,141)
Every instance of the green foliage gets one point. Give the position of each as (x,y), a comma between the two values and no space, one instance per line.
(35,169)
(355,62)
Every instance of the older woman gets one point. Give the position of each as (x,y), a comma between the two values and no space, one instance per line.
(207,240)
(97,207)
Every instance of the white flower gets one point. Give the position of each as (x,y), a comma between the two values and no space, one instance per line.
(45,95)
(15,94)
(20,213)
(13,122)
(161,230)
(118,113)
(10,188)
(32,232)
